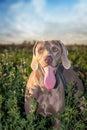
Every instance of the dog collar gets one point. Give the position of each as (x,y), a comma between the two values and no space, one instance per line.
(57,81)
(59,75)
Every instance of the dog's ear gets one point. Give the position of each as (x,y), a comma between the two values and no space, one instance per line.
(34,63)
(65,61)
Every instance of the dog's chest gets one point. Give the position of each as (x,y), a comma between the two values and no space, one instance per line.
(51,101)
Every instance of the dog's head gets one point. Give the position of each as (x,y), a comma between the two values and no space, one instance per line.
(49,53)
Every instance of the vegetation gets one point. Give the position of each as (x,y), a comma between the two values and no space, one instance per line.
(14,72)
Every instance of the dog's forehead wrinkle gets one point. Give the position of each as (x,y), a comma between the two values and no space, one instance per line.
(47,44)
(53,43)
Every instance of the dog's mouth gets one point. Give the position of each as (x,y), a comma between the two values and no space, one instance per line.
(49,77)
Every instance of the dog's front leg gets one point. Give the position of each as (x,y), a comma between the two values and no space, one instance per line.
(28,105)
(31,99)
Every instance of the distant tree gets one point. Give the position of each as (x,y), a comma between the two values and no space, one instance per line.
(24,42)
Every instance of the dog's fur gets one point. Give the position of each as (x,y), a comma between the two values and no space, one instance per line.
(49,101)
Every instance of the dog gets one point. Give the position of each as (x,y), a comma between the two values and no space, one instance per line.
(51,74)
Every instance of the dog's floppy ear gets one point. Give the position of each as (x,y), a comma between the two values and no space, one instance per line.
(34,63)
(65,61)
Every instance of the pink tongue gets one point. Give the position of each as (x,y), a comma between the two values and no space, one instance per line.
(49,78)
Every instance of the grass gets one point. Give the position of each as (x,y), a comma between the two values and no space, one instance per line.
(14,71)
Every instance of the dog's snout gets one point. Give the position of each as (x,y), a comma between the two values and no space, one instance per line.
(48,60)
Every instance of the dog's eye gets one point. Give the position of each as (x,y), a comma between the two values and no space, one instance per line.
(40,50)
(55,49)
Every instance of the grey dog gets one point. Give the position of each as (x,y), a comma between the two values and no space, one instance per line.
(51,73)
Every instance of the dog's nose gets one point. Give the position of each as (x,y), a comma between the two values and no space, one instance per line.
(48,60)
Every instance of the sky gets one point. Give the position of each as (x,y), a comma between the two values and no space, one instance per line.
(64,20)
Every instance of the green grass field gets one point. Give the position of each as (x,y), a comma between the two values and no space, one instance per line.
(14,71)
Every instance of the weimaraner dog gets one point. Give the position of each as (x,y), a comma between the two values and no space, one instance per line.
(51,74)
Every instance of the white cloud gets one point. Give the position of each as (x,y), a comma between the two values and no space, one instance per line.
(33,20)
(24,21)
(39,5)
(61,14)
(71,25)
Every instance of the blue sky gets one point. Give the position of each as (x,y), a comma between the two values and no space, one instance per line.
(43,19)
